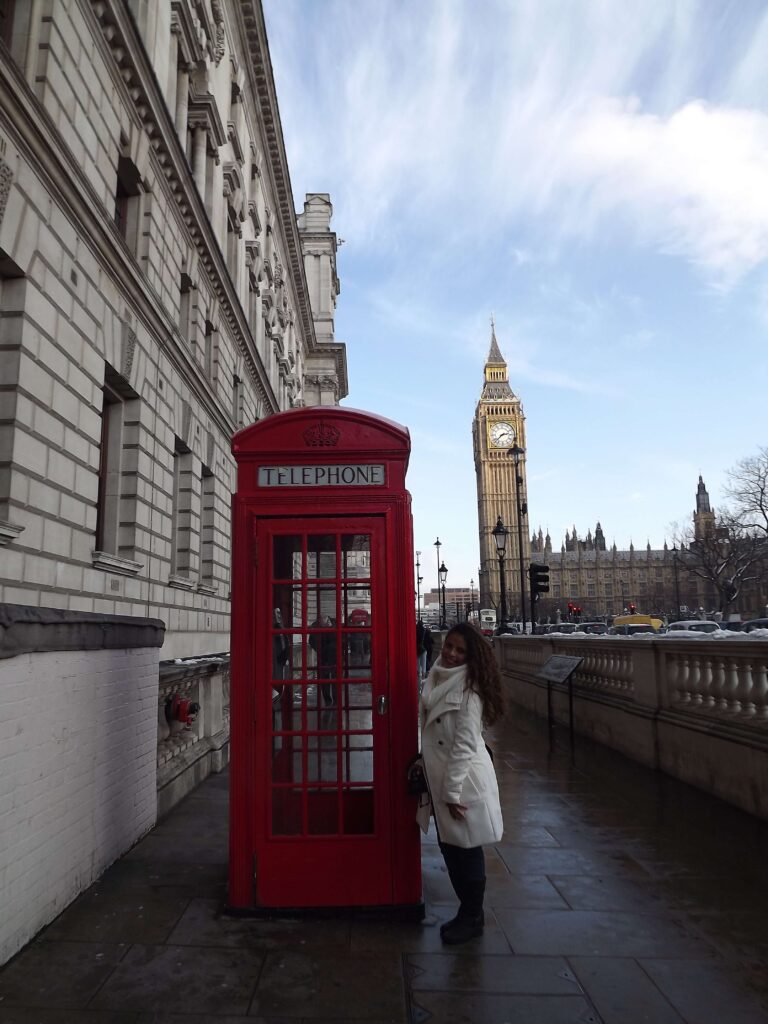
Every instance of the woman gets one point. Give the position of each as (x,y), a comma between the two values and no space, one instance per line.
(461,694)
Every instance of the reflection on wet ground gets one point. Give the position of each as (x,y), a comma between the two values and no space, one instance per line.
(617,895)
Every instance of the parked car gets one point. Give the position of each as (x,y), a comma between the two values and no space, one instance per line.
(593,628)
(694,626)
(753,624)
(562,627)
(633,629)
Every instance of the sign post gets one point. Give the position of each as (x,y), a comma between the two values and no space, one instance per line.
(559,668)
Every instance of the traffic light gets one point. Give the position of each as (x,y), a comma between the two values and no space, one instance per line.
(632,608)
(539,577)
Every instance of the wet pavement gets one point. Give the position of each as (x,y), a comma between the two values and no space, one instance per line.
(617,896)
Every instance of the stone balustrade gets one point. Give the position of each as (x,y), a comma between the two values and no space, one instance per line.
(188,753)
(696,709)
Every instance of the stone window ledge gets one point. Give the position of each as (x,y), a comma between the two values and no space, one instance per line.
(9,532)
(112,563)
(182,582)
(207,588)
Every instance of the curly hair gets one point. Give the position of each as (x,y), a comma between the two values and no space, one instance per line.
(483,672)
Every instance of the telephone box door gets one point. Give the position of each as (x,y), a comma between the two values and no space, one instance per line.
(321,701)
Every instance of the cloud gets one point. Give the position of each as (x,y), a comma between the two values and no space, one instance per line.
(471,120)
(694,183)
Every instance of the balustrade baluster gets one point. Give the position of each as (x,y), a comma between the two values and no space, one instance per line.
(760,688)
(732,685)
(718,685)
(706,681)
(697,698)
(744,698)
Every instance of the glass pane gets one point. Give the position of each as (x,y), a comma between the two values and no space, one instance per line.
(286,605)
(356,555)
(357,712)
(323,812)
(357,806)
(357,765)
(321,556)
(286,760)
(286,708)
(357,654)
(321,605)
(324,643)
(322,758)
(286,812)
(356,605)
(286,558)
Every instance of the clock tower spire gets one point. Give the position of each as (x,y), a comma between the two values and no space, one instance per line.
(498,426)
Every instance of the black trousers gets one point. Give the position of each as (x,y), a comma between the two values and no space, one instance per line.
(466,870)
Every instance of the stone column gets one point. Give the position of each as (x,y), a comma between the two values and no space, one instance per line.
(199,159)
(182,100)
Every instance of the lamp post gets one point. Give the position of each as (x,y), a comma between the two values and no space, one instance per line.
(442,572)
(517,452)
(418,587)
(437,545)
(471,598)
(677,580)
(500,534)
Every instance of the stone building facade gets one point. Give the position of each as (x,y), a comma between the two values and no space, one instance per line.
(157,293)
(605,581)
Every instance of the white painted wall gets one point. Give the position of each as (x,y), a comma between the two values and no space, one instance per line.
(78,743)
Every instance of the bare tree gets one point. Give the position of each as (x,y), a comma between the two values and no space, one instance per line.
(729,557)
(747,491)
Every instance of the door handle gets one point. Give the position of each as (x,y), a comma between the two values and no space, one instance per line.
(382,705)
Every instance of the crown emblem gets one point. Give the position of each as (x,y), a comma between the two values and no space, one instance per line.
(322,435)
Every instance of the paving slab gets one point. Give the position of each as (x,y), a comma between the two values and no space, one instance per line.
(64,975)
(197,979)
(356,986)
(617,896)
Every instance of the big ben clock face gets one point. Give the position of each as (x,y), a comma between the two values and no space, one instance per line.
(502,434)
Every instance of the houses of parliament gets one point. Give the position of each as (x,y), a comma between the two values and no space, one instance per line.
(584,571)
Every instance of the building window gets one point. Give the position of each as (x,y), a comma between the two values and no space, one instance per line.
(238,397)
(130,202)
(207,487)
(6,21)
(590,590)
(182,527)
(185,305)
(115,522)
(211,351)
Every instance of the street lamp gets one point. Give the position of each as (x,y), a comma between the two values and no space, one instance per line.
(500,534)
(437,546)
(418,586)
(472,598)
(677,580)
(517,452)
(442,572)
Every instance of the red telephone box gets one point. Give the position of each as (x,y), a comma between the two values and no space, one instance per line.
(324,698)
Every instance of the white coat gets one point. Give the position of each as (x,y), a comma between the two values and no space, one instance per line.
(458,767)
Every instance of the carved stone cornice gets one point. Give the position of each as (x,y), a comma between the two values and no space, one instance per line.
(143,92)
(9,532)
(203,112)
(6,177)
(187,32)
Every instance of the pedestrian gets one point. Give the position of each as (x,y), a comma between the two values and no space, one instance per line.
(323,643)
(422,632)
(461,695)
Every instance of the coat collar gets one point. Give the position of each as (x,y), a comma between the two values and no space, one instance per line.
(449,700)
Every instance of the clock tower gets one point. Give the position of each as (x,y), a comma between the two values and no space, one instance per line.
(498,426)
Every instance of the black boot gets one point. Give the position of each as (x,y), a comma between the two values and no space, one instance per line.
(468,923)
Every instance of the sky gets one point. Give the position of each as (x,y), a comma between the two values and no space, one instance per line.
(591,173)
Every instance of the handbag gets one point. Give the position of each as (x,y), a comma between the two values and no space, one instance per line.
(415,777)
